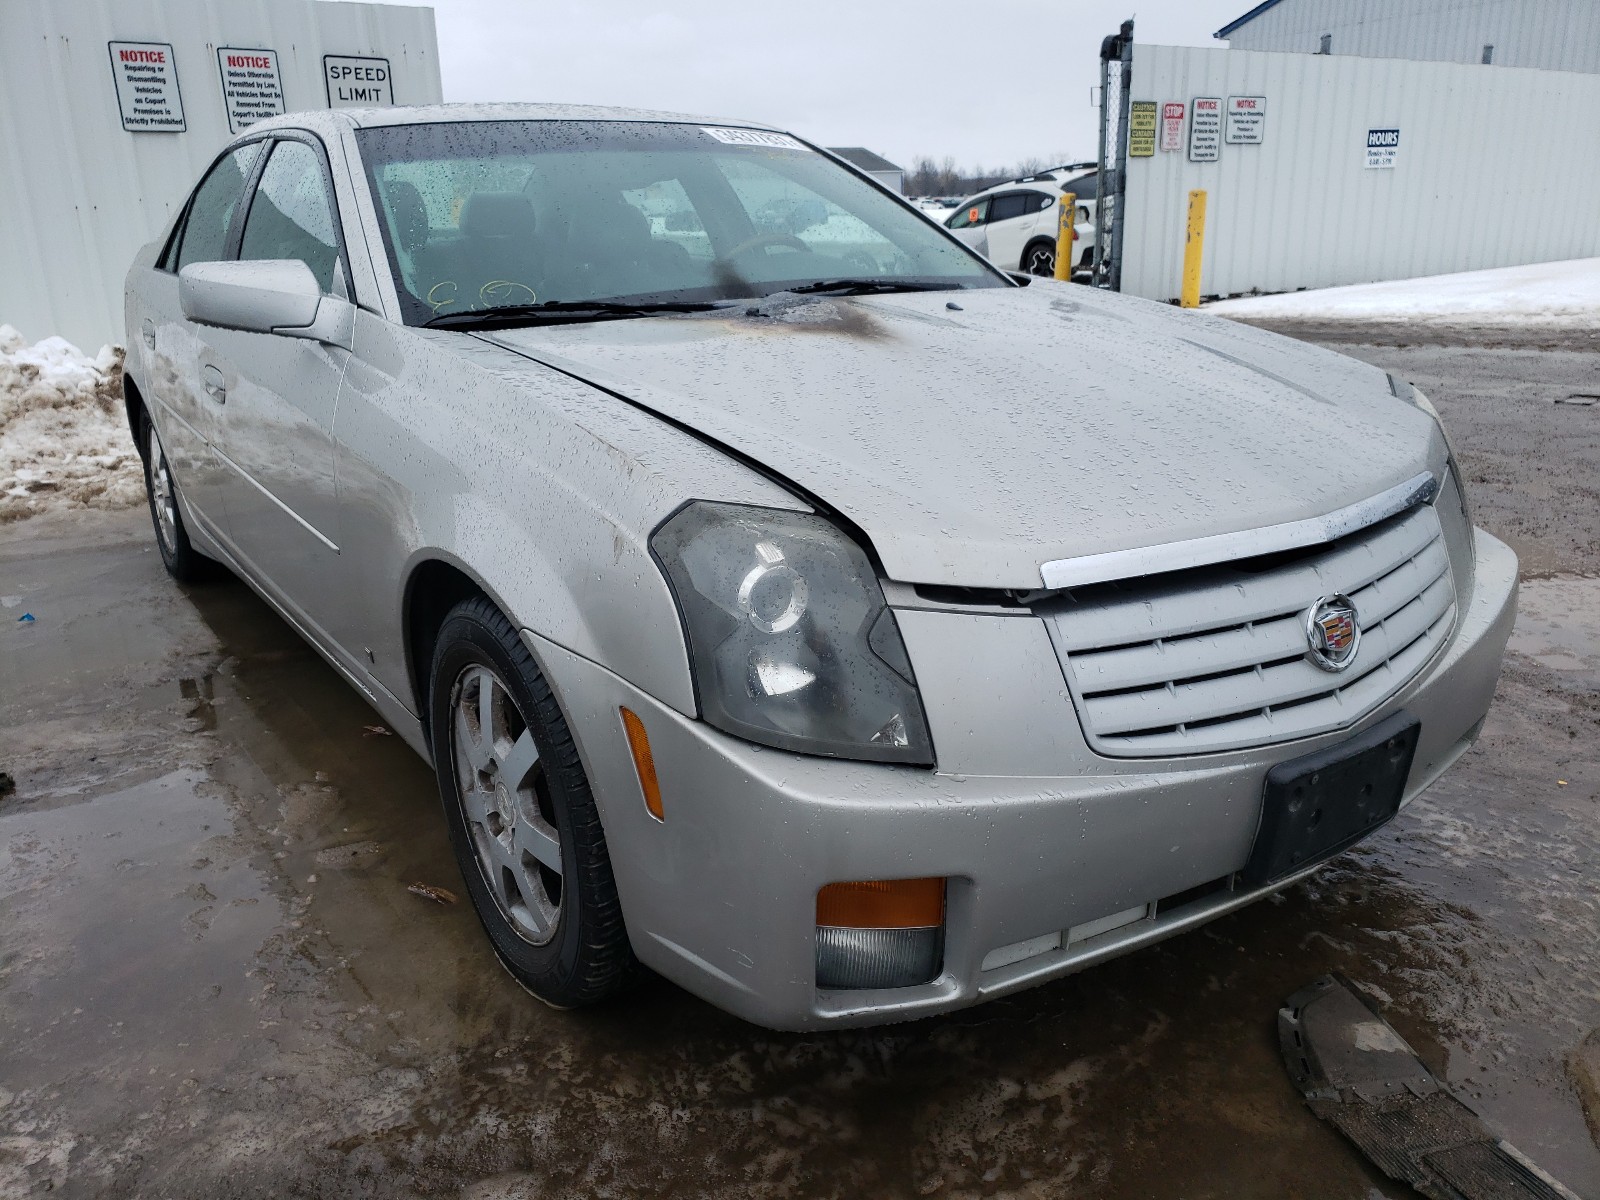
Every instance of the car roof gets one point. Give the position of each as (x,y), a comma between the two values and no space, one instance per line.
(1030,183)
(327,121)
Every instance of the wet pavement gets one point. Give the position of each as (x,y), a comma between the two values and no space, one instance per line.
(213,981)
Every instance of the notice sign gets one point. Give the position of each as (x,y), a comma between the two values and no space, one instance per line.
(357,82)
(146,76)
(1142,129)
(1205,129)
(1172,125)
(1383,145)
(251,89)
(1247,120)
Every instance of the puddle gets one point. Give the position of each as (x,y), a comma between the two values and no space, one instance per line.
(213,979)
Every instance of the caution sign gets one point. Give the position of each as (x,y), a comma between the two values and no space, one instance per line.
(1142,129)
(146,75)
(357,82)
(1247,120)
(251,88)
(1205,129)
(1383,147)
(1172,125)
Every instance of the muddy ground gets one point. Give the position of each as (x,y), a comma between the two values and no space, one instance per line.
(214,983)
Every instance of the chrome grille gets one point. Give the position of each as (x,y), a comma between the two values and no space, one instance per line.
(1215,658)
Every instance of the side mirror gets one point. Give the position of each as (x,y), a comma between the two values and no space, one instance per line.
(263,296)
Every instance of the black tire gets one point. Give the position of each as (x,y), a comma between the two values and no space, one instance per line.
(1040,259)
(582,956)
(183,562)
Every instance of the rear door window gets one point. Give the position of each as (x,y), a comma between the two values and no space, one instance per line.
(1008,205)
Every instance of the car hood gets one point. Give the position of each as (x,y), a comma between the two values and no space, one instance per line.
(973,436)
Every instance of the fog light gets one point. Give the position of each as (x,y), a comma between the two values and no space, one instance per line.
(880,934)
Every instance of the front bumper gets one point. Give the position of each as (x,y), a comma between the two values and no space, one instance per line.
(1044,843)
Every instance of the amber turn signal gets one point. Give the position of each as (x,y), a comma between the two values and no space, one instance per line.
(644,762)
(882,904)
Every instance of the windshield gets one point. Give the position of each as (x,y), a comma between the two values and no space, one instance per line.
(494,214)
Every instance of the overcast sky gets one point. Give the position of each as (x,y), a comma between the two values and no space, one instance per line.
(988,81)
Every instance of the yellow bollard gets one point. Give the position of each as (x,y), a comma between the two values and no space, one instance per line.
(1193,243)
(1066,234)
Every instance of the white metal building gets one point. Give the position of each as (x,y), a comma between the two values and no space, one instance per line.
(1326,170)
(1551,35)
(111,109)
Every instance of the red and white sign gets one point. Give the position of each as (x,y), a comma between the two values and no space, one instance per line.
(1247,120)
(251,88)
(1172,125)
(147,87)
(1205,129)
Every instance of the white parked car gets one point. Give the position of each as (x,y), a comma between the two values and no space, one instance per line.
(935,208)
(1014,224)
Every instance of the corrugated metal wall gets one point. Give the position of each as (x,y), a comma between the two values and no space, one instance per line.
(1495,168)
(79,195)
(1552,35)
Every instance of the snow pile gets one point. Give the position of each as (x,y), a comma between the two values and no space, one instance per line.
(64,439)
(1560,294)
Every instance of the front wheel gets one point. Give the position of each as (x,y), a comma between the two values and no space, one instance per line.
(1040,259)
(523,820)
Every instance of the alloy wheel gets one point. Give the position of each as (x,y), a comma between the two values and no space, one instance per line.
(506,803)
(161,497)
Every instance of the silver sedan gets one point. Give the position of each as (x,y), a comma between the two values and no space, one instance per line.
(788,601)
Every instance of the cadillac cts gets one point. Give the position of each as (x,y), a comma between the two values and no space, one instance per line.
(789,601)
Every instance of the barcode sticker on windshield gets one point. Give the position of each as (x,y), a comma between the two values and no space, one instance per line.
(753,137)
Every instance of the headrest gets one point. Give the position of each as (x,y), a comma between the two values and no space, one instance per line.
(611,216)
(497,215)
(409,214)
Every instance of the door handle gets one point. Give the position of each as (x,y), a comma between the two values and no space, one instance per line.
(211,378)
(148,331)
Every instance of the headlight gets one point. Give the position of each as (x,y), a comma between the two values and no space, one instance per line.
(1451,503)
(790,638)
(1412,395)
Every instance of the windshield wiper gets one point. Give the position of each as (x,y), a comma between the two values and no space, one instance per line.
(559,311)
(863,287)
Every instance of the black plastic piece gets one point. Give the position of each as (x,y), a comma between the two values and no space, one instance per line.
(1316,806)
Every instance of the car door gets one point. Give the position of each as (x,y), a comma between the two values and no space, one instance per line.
(279,393)
(183,413)
(969,223)
(1011,217)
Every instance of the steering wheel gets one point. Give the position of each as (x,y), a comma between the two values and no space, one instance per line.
(768,239)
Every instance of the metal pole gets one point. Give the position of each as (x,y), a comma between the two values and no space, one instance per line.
(1097,277)
(1194,249)
(1126,55)
(1066,237)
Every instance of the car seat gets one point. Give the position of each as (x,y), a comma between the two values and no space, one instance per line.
(496,261)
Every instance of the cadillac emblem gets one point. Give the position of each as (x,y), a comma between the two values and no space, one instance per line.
(1333,632)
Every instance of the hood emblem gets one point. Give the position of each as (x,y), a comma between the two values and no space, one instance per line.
(1333,632)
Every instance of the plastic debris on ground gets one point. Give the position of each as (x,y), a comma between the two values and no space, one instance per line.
(438,895)
(1362,1077)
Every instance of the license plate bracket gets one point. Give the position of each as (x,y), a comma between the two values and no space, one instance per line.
(1315,806)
